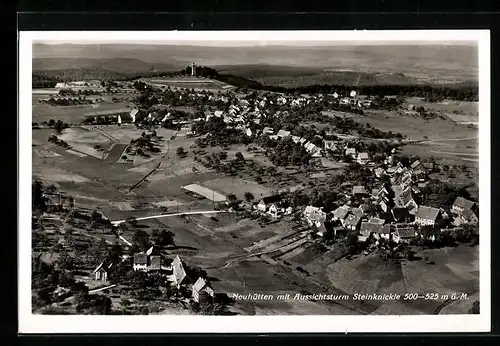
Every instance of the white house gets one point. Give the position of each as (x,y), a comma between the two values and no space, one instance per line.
(314,216)
(350,152)
(201,286)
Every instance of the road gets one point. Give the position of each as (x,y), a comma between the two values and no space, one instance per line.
(417,141)
(174,214)
(101,289)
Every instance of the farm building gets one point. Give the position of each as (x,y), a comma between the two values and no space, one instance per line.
(351,152)
(112,116)
(428,216)
(102,271)
(201,286)
(148,261)
(352,222)
(340,213)
(330,145)
(205,192)
(370,227)
(358,190)
(314,216)
(283,134)
(363,158)
(462,204)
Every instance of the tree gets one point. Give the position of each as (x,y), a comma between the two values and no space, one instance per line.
(141,238)
(163,238)
(249,196)
(475,308)
(239,157)
(299,198)
(232,198)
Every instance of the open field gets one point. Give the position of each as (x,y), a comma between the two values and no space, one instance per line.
(443,139)
(187,82)
(417,128)
(238,187)
(455,270)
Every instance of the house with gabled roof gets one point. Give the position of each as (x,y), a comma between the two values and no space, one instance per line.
(148,261)
(371,226)
(358,190)
(267,131)
(314,216)
(379,172)
(366,208)
(462,204)
(418,171)
(283,134)
(358,212)
(102,271)
(403,234)
(351,152)
(363,158)
(201,285)
(266,202)
(401,214)
(352,222)
(340,213)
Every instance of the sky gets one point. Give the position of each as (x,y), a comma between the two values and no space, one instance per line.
(233,43)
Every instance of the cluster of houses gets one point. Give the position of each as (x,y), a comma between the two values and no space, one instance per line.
(152,261)
(394,211)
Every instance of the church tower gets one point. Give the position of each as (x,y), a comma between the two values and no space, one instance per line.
(193,69)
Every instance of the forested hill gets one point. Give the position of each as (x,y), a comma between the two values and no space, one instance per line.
(462,91)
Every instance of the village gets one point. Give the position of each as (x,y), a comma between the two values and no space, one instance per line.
(311,174)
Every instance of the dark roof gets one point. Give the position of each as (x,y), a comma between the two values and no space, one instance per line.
(427,213)
(140,258)
(352,220)
(415,164)
(463,203)
(368,227)
(99,267)
(271,199)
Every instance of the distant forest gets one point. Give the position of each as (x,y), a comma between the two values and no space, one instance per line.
(459,92)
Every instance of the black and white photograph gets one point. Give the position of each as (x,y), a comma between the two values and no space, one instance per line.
(254,181)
